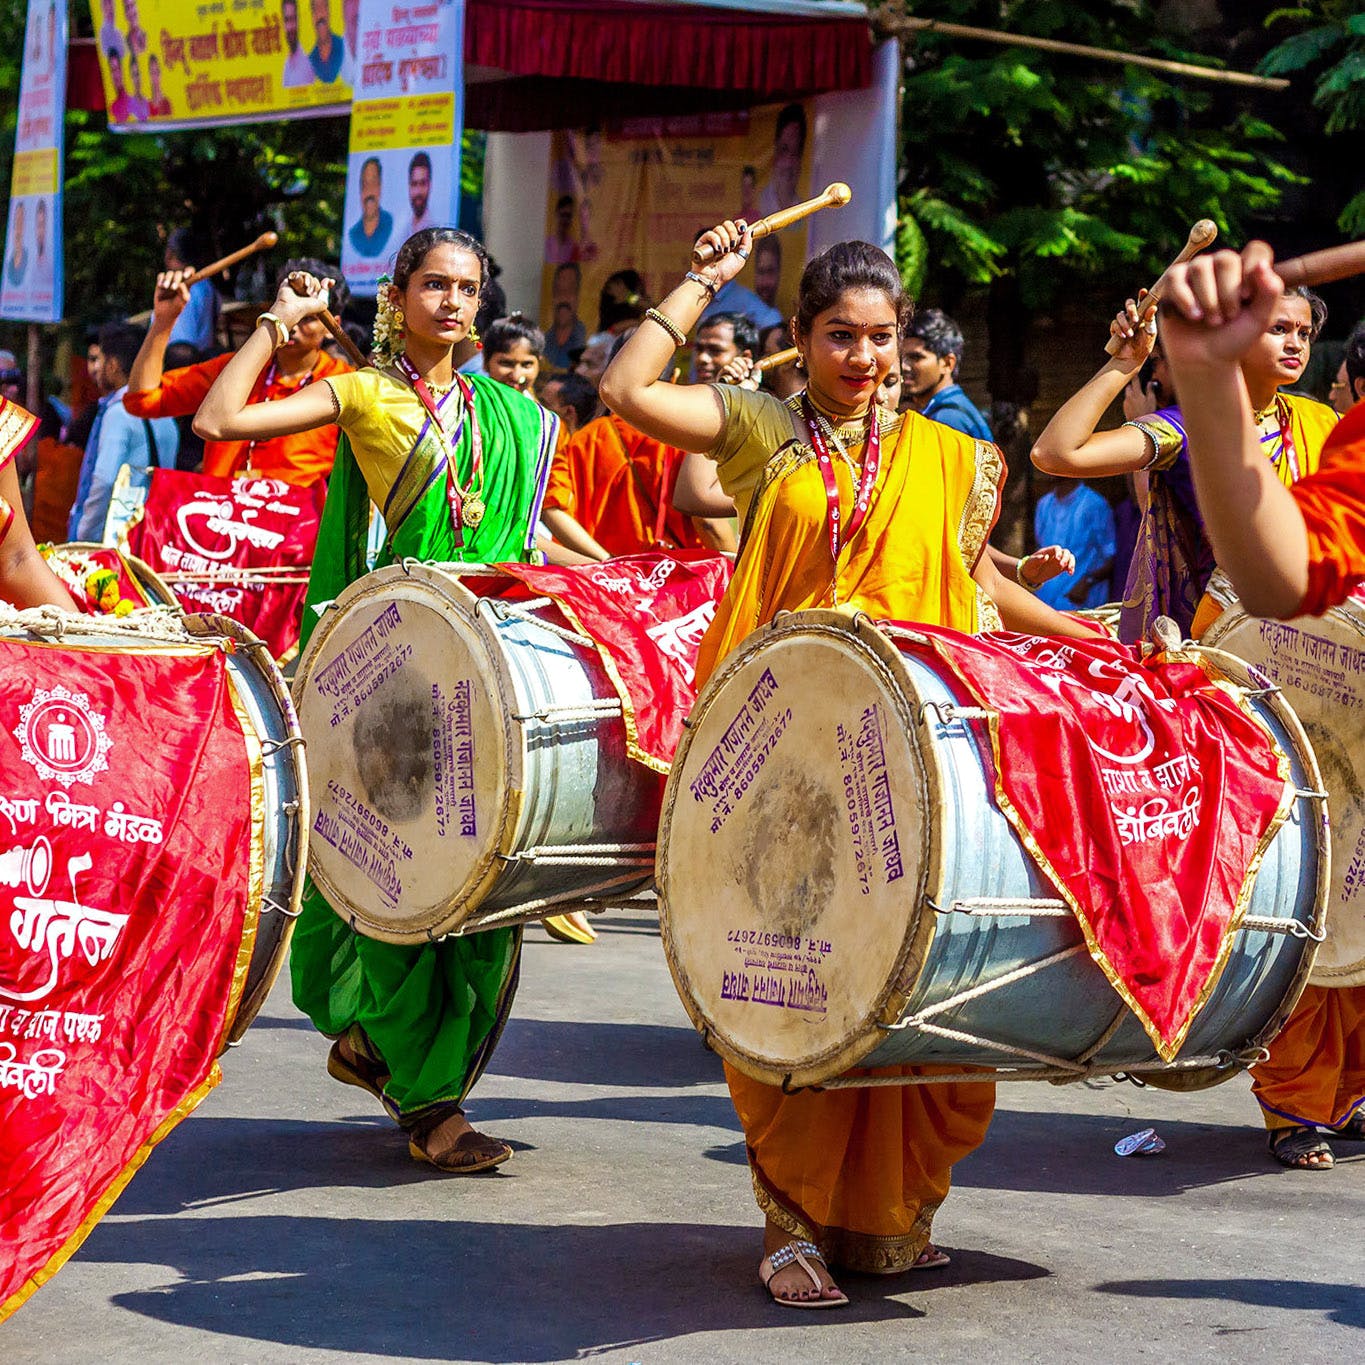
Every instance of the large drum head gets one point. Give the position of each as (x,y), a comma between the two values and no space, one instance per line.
(792,861)
(397,685)
(1319,664)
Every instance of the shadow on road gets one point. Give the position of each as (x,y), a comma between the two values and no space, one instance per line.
(648,1056)
(439,1291)
(1058,1153)
(1343,1303)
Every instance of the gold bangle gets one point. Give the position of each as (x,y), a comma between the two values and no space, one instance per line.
(669,326)
(281,331)
(1019,575)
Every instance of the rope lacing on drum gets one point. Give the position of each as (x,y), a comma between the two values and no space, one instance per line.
(272,906)
(505,611)
(158,623)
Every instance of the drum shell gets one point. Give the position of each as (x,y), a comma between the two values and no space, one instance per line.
(969,852)
(571,815)
(1319,664)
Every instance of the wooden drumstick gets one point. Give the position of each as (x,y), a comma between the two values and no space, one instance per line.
(777,360)
(262,243)
(834,196)
(1323,267)
(1202,234)
(339,334)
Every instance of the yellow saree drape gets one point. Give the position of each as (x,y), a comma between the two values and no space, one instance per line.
(861,1172)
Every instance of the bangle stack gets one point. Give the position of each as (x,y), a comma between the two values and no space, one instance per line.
(281,331)
(669,326)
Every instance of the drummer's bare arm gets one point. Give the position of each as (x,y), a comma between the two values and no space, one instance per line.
(560,555)
(570,532)
(225,414)
(168,302)
(717,533)
(1020,610)
(1069,446)
(697,492)
(25,578)
(686,415)
(1215,308)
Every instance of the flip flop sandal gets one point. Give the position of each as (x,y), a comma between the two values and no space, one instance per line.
(1353,1130)
(1292,1147)
(570,928)
(935,1259)
(802,1253)
(366,1073)
(471,1152)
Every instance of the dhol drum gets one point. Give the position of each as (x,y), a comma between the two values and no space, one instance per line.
(801,954)
(467,757)
(264,704)
(1318,662)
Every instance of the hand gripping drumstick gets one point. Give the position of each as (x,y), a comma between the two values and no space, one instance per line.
(262,243)
(834,196)
(339,334)
(777,360)
(1202,234)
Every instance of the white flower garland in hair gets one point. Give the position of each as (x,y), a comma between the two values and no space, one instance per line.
(387,340)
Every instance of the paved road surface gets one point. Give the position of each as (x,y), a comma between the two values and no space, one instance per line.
(285,1222)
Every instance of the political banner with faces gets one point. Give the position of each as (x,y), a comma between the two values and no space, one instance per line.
(404,172)
(32,288)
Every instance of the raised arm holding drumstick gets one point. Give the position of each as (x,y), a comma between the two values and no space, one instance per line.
(844,503)
(1288,550)
(299,457)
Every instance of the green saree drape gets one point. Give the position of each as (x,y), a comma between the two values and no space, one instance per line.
(434,1012)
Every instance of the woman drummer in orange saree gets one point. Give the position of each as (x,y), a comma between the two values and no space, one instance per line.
(843,504)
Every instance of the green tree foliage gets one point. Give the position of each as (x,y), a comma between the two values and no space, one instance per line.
(1044,169)
(1326,43)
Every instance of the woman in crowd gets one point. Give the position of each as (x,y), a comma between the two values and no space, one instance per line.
(457,466)
(844,503)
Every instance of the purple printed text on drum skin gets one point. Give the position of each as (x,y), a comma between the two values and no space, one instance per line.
(452,740)
(731,767)
(367,654)
(867,798)
(807,993)
(1309,664)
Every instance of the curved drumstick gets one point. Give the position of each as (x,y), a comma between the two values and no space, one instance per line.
(262,243)
(339,335)
(777,360)
(1323,267)
(834,195)
(1202,234)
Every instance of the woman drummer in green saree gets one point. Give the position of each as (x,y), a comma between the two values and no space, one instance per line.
(457,467)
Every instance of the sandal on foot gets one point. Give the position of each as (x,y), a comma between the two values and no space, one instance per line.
(802,1254)
(1294,1148)
(366,1072)
(572,927)
(469,1154)
(1353,1130)
(931,1258)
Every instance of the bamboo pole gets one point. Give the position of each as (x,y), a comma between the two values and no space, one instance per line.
(892,25)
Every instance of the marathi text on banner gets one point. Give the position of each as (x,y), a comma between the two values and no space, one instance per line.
(32,287)
(126,862)
(404,171)
(178,63)
(636,196)
(233,547)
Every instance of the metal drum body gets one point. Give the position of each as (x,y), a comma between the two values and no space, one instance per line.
(923,931)
(468,759)
(1318,662)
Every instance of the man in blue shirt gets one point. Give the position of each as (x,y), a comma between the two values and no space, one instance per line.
(329,49)
(931,356)
(370,232)
(198,324)
(117,437)
(1076,517)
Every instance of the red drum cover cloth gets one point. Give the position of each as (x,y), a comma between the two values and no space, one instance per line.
(126,874)
(1146,794)
(200,524)
(647,614)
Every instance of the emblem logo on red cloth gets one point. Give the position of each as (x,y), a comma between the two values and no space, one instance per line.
(63,736)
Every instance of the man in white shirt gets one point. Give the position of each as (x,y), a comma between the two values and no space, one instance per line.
(298,70)
(419,194)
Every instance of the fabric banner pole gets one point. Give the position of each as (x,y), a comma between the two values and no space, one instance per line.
(32,278)
(406,124)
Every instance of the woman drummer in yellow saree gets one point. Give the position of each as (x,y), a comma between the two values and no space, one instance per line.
(842,504)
